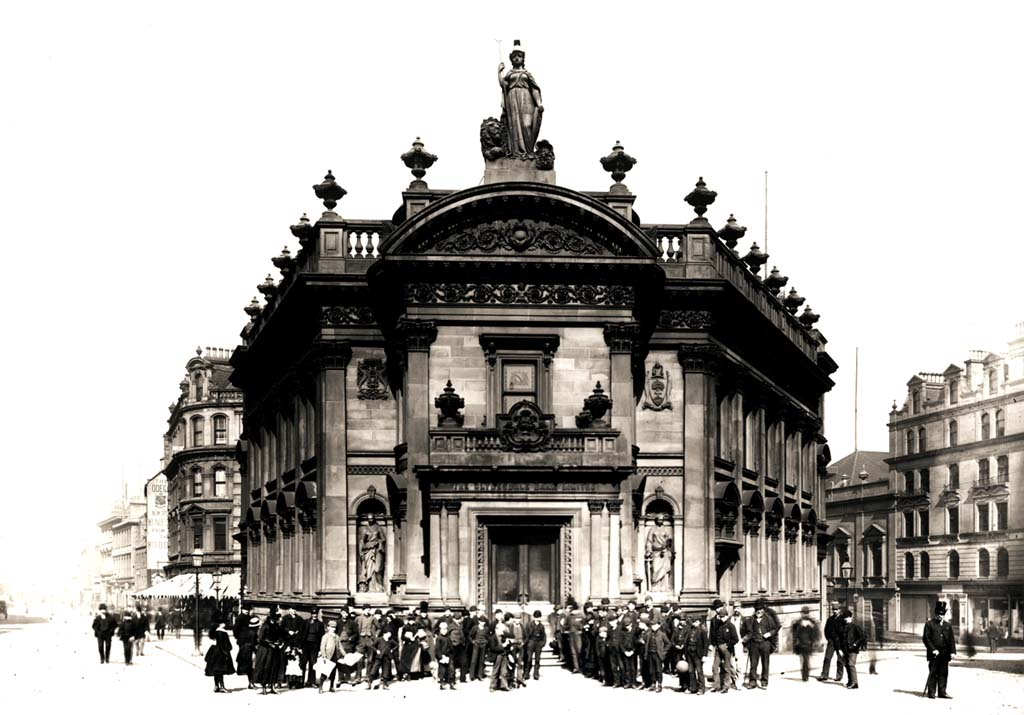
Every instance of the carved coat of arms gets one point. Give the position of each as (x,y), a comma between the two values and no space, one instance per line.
(525,429)
(657,388)
(372,380)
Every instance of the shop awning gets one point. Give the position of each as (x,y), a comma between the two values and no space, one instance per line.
(184,585)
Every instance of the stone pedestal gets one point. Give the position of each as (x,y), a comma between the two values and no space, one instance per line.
(502,170)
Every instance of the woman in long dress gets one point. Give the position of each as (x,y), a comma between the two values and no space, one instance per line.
(218,657)
(246,641)
(521,102)
(270,643)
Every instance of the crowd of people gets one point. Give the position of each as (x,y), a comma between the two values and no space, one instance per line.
(631,646)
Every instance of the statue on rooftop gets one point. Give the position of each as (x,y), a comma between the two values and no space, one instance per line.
(521,105)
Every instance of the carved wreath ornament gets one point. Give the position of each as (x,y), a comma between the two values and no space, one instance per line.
(483,293)
(522,237)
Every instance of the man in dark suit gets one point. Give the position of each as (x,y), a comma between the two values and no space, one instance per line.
(723,638)
(126,632)
(851,642)
(940,645)
(103,627)
(536,636)
(758,633)
(805,640)
(161,623)
(312,632)
(833,626)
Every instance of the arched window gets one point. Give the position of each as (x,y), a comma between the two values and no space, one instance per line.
(908,565)
(197,482)
(954,476)
(198,424)
(983,565)
(952,433)
(925,565)
(986,425)
(198,379)
(921,441)
(1000,424)
(910,441)
(220,429)
(954,564)
(1002,563)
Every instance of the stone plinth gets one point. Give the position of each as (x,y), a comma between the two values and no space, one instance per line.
(516,170)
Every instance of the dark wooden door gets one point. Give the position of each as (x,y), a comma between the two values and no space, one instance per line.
(523,563)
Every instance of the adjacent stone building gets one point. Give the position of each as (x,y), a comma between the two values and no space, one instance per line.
(860,508)
(203,487)
(521,393)
(957,460)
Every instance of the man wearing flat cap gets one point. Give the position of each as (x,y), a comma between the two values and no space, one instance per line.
(833,627)
(940,645)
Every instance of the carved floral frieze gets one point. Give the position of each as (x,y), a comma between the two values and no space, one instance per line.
(519,293)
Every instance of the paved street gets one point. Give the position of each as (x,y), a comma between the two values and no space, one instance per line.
(55,664)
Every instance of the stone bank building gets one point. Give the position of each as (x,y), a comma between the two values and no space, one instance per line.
(521,393)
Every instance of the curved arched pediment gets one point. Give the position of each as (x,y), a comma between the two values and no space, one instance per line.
(519,219)
(285,504)
(753,501)
(727,494)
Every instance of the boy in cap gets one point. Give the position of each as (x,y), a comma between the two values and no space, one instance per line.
(695,645)
(852,642)
(723,639)
(805,640)
(535,638)
(656,649)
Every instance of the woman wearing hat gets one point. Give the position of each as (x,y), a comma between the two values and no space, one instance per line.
(270,643)
(218,656)
(245,638)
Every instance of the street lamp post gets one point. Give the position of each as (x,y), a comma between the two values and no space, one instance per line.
(197,562)
(847,570)
(217,575)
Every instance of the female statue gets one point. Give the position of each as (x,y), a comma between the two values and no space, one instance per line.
(521,104)
(371,556)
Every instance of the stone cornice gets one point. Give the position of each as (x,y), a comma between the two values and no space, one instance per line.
(972,450)
(954,411)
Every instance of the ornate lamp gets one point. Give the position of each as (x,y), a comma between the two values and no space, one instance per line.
(197,563)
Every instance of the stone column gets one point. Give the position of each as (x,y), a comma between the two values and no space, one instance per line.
(416,337)
(614,542)
(596,571)
(330,361)
(437,585)
(698,552)
(399,527)
(622,339)
(677,560)
(452,592)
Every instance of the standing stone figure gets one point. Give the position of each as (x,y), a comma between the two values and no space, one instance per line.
(658,553)
(371,556)
(521,104)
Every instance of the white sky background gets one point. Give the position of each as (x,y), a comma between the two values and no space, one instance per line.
(153,156)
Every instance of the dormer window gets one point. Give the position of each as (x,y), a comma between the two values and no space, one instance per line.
(993,381)
(199,386)
(986,426)
(954,391)
(916,402)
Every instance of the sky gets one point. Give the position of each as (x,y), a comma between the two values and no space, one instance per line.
(153,156)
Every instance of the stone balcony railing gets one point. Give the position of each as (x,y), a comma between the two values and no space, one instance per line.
(589,448)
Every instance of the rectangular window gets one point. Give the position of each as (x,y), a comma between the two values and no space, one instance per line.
(1002,514)
(924,522)
(917,402)
(876,558)
(908,523)
(908,481)
(220,533)
(983,471)
(197,483)
(954,476)
(220,429)
(953,513)
(518,382)
(954,391)
(197,533)
(982,517)
(197,432)
(926,481)
(220,483)
(1002,469)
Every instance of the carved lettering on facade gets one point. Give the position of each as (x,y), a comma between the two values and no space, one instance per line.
(503,487)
